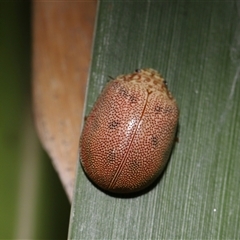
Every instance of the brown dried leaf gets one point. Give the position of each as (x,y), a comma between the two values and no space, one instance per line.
(62,39)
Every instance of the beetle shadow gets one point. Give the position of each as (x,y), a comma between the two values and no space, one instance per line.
(145,190)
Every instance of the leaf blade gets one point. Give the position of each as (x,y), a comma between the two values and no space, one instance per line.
(197,195)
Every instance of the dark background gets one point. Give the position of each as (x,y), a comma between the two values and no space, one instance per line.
(33,203)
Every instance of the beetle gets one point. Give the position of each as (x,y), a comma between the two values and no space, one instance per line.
(128,136)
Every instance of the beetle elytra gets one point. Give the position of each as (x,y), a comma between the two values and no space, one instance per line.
(128,136)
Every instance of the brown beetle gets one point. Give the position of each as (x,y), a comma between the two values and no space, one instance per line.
(128,136)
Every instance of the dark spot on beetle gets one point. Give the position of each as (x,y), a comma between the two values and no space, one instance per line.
(133,99)
(123,92)
(167,110)
(154,141)
(111,155)
(113,124)
(157,109)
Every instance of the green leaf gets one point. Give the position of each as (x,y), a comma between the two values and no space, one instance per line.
(196,47)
